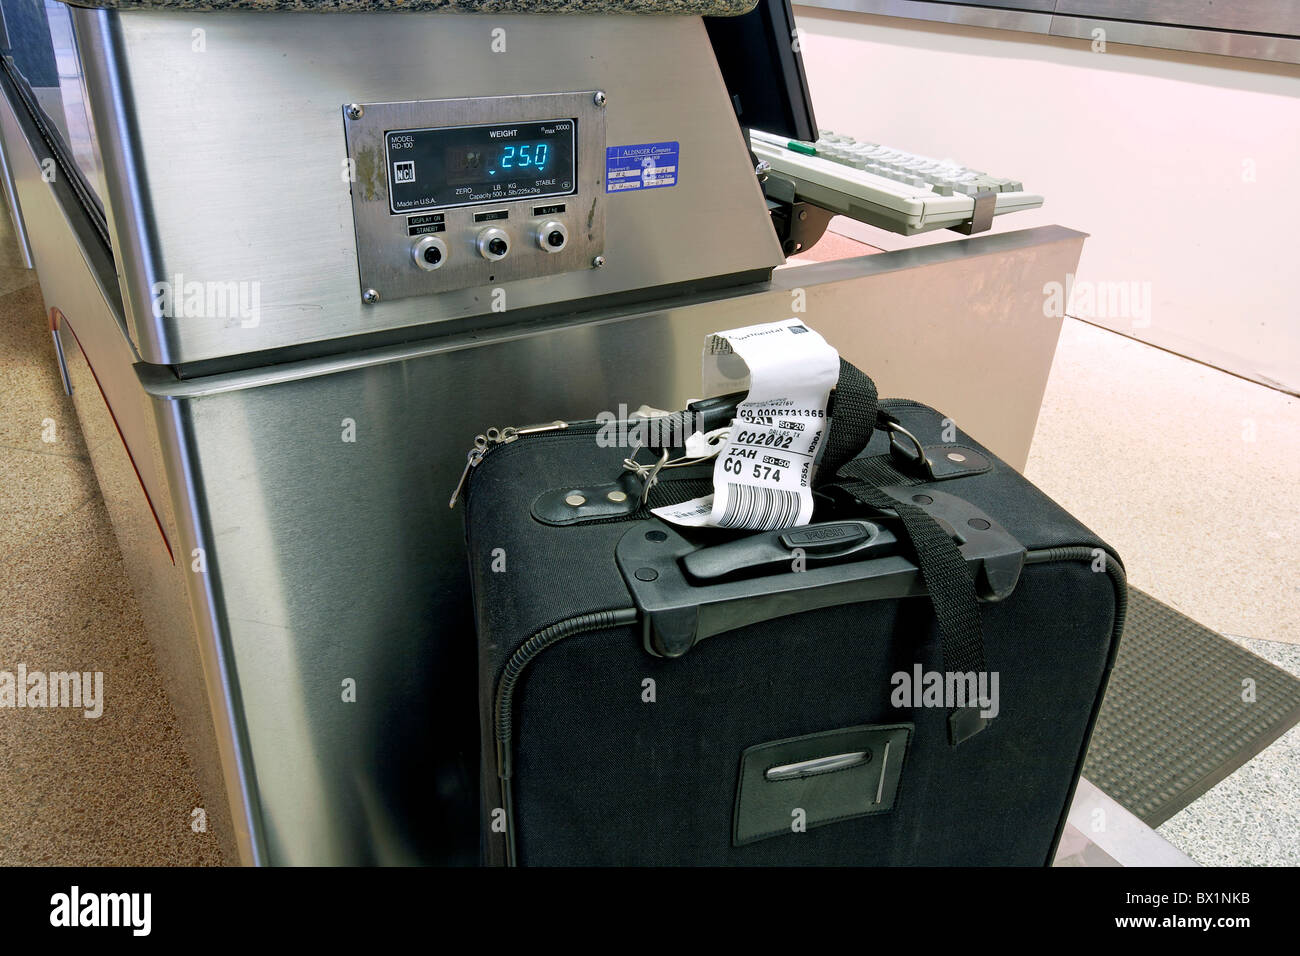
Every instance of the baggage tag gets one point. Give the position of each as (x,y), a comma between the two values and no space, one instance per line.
(762,476)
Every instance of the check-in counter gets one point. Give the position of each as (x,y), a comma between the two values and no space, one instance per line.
(279,482)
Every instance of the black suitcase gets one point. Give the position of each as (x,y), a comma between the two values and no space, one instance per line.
(911,679)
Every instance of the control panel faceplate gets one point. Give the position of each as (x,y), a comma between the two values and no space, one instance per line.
(450,194)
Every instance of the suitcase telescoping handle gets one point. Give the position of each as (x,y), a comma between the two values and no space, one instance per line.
(685,594)
(853,413)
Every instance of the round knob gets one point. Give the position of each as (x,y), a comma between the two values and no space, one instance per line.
(429,253)
(552,236)
(493,243)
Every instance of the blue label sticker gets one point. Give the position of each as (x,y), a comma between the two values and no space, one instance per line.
(645,166)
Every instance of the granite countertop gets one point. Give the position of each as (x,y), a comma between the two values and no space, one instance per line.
(662,7)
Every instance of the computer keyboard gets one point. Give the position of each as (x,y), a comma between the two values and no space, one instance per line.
(895,190)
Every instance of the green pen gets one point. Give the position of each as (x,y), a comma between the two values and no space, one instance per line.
(791,144)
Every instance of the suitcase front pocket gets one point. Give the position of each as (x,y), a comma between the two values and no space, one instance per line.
(789,786)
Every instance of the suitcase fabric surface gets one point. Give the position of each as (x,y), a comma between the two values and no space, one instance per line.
(658,695)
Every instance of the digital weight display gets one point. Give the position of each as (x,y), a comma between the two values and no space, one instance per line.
(468,165)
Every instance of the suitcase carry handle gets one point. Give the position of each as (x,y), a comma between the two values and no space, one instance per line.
(685,594)
(822,543)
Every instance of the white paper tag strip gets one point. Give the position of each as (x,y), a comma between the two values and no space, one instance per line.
(762,477)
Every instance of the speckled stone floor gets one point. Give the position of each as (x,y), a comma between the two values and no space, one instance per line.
(116,790)
(1253,817)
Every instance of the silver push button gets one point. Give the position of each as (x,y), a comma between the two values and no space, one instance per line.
(552,236)
(493,243)
(429,253)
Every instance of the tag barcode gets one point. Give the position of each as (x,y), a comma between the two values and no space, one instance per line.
(759,509)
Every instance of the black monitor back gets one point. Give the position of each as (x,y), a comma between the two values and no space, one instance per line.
(763,69)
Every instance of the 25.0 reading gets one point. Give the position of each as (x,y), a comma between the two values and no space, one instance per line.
(525,156)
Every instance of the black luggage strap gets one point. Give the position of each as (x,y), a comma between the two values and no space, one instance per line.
(951,590)
(853,418)
(855,415)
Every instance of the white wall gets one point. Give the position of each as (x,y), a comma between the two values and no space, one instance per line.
(1149,151)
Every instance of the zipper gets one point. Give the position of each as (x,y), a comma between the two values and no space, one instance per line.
(492,439)
(503,710)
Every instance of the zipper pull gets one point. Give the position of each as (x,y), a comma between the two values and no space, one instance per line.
(533,429)
(471,461)
(492,438)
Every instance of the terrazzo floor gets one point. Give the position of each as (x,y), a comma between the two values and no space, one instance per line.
(113,790)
